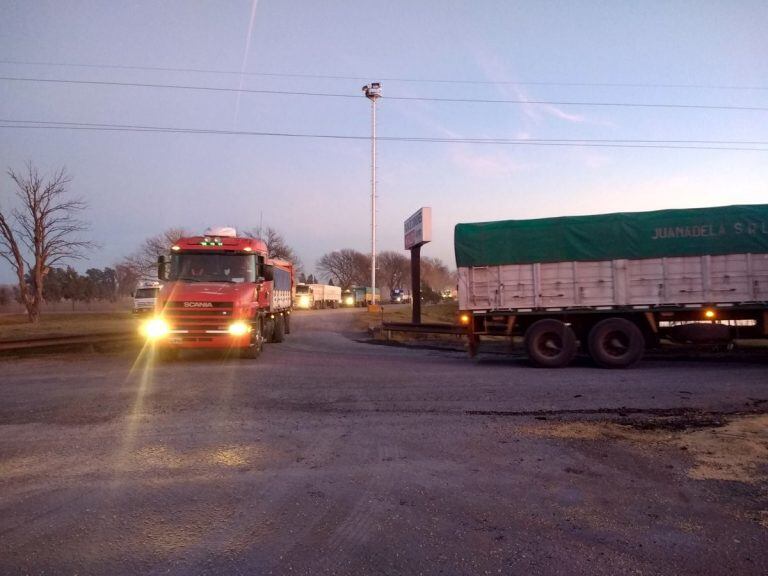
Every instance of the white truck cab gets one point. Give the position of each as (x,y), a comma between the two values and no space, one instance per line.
(145,296)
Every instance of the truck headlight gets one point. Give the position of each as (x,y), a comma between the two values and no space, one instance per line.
(155,328)
(349,300)
(239,328)
(304,301)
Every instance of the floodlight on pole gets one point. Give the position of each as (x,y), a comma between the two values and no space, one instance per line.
(372,91)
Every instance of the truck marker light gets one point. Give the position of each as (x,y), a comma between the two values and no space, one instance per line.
(155,328)
(239,328)
(247,249)
(709,314)
(175,248)
(464,319)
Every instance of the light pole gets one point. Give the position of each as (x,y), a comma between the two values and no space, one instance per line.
(372,91)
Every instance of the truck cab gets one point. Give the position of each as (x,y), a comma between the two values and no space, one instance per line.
(145,296)
(303,298)
(223,292)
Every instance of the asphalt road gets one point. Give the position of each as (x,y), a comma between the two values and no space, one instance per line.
(331,456)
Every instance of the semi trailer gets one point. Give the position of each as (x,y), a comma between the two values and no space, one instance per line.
(615,284)
(220,291)
(316,296)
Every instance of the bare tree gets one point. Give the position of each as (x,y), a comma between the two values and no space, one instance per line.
(277,247)
(436,275)
(42,232)
(143,262)
(347,267)
(394,269)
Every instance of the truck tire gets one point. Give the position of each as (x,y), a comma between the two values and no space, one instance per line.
(257,343)
(287,320)
(550,343)
(278,332)
(616,343)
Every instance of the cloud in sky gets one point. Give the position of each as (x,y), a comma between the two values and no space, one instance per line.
(486,163)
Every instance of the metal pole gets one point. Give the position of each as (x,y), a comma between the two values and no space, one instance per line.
(373,200)
(416,284)
(373,93)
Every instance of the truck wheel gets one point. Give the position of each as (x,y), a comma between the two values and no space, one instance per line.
(278,333)
(550,343)
(616,343)
(287,321)
(257,343)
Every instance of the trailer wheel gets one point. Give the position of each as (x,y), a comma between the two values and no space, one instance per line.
(253,351)
(616,343)
(550,343)
(278,332)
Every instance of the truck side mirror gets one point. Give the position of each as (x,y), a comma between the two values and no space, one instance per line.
(162,267)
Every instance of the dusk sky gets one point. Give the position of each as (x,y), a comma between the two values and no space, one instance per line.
(316,191)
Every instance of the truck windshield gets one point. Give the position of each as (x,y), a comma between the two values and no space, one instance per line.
(213,267)
(302,289)
(146,293)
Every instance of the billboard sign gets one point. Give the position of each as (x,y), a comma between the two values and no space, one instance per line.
(418,228)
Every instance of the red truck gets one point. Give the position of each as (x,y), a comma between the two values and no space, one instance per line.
(220,291)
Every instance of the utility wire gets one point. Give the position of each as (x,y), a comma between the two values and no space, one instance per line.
(416,138)
(405,98)
(660,144)
(383,79)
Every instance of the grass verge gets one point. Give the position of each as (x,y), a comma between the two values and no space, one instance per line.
(16,326)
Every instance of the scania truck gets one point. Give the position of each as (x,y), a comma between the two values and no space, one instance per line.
(615,284)
(220,291)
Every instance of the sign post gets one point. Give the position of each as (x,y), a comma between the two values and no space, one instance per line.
(418,231)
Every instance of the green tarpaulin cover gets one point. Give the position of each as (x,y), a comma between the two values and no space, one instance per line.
(631,235)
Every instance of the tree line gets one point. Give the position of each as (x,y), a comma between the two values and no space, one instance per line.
(44,230)
(348,267)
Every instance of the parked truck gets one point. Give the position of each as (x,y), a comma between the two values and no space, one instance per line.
(615,284)
(220,291)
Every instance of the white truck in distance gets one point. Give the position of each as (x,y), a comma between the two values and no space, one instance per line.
(615,283)
(145,296)
(316,296)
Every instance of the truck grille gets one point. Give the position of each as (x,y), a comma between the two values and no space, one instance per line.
(198,320)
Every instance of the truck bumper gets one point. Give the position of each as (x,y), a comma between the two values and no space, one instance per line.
(201,340)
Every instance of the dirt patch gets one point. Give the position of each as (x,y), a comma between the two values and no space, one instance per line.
(732,450)
(737,451)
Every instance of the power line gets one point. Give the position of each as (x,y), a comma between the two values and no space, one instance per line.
(383,78)
(404,98)
(659,144)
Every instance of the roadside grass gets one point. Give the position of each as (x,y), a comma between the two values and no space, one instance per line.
(443,313)
(16,327)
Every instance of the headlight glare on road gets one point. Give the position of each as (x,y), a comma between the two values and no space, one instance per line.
(155,328)
(239,328)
